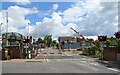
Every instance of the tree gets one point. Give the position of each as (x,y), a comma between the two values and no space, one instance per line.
(39,41)
(54,43)
(90,40)
(97,43)
(108,43)
(48,40)
(118,43)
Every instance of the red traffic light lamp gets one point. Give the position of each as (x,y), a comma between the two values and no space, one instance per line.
(102,38)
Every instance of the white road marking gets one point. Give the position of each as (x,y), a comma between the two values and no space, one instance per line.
(87,66)
(113,69)
(96,64)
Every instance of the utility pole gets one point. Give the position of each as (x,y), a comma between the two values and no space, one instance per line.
(6,52)
(29,52)
(7,28)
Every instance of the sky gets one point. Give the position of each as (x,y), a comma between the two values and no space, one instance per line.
(90,18)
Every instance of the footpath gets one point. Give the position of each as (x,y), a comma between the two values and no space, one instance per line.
(24,60)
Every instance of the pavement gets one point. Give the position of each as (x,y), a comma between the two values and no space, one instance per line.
(111,64)
(24,60)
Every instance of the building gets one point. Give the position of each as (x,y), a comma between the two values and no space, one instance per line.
(12,45)
(70,43)
(67,39)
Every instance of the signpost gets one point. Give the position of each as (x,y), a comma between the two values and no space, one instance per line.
(102,39)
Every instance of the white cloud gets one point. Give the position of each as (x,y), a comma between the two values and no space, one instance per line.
(16,17)
(100,19)
(101,22)
(52,10)
(92,37)
(55,6)
(52,26)
(22,2)
(96,22)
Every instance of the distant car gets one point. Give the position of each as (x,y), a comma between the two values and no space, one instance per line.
(79,49)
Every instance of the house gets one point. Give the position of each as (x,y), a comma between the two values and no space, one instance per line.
(12,45)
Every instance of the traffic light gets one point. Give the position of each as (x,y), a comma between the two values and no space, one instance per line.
(25,41)
(117,34)
(102,38)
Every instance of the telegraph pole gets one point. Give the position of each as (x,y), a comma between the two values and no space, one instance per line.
(7,28)
(28,37)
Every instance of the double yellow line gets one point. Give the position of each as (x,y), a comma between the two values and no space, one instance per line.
(46,59)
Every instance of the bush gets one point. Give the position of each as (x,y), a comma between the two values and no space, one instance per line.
(90,50)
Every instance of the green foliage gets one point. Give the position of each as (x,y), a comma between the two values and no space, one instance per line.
(118,43)
(54,43)
(90,39)
(58,45)
(48,40)
(85,48)
(91,50)
(81,43)
(97,52)
(108,43)
(97,43)
(40,41)
(4,42)
(75,52)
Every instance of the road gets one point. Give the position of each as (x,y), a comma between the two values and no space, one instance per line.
(64,63)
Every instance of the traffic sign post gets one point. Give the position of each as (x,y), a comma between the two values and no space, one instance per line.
(102,39)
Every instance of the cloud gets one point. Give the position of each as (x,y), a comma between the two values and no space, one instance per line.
(89,18)
(52,26)
(52,10)
(16,17)
(99,20)
(92,37)
(22,2)
(55,6)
